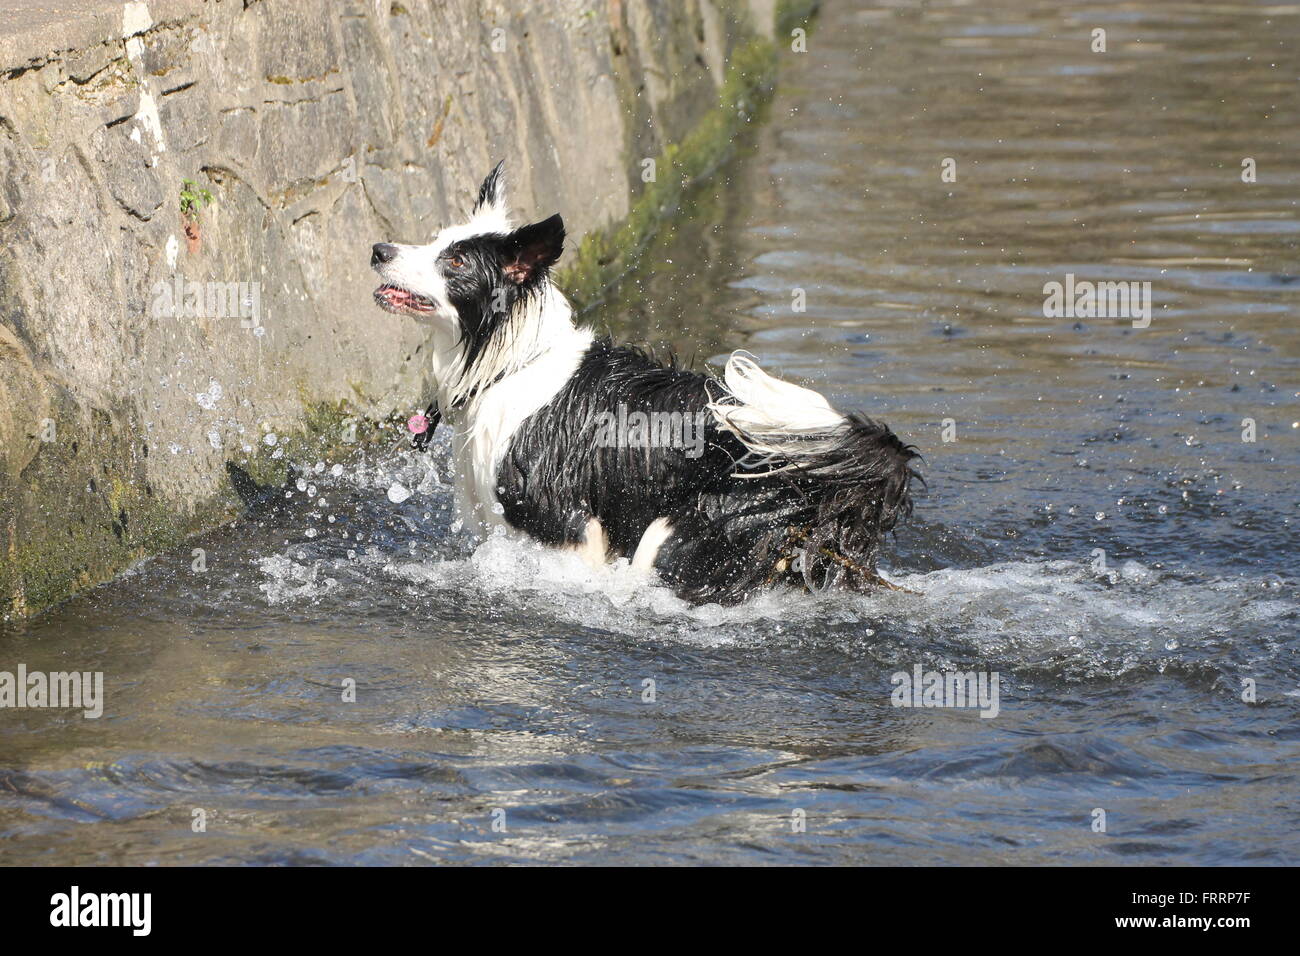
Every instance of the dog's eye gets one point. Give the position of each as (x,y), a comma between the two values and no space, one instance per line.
(456,262)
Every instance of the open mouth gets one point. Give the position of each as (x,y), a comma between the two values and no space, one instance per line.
(402,301)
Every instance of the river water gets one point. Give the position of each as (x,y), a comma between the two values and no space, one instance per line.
(1096,529)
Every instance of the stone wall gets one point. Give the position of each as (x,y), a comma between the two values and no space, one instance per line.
(318,127)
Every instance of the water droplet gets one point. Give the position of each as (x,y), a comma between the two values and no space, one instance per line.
(209,398)
(397,493)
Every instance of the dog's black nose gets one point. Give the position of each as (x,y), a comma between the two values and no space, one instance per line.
(382,252)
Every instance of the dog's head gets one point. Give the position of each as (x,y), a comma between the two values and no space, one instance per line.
(474,275)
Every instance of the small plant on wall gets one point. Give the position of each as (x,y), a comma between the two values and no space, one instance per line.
(193,200)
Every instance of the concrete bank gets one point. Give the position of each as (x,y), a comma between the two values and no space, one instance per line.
(188,193)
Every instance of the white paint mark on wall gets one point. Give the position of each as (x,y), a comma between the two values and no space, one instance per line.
(147,116)
(135,19)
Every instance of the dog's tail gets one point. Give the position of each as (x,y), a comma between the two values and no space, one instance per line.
(825,487)
(778,422)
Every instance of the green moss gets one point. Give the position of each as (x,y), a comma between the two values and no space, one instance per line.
(53,567)
(81,537)
(794,13)
(605,256)
(87,513)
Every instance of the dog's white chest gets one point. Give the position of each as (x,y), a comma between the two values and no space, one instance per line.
(483,432)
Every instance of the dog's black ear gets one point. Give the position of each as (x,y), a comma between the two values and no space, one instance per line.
(493,190)
(531,249)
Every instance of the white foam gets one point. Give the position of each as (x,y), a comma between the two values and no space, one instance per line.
(1021,610)
(289,581)
(1054,609)
(615,597)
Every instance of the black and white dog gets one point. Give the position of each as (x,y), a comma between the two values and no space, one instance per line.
(583,444)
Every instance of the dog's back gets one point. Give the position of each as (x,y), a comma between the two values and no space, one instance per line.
(574,459)
(778,485)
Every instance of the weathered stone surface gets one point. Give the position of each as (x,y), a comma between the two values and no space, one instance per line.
(84,64)
(125,167)
(320,127)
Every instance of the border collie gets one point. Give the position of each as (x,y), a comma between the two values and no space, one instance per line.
(572,440)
